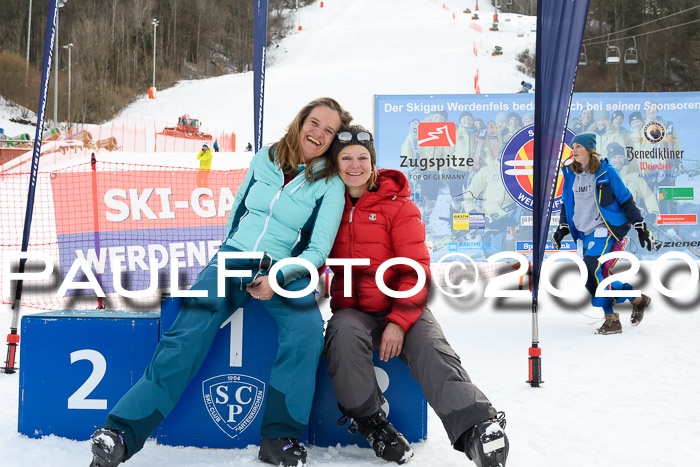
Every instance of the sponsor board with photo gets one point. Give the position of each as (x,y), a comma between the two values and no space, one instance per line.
(469,161)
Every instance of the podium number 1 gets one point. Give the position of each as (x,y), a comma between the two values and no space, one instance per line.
(236,344)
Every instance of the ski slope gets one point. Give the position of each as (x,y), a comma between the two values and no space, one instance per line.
(624,400)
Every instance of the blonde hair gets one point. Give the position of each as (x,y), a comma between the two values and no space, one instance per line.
(593,163)
(287,151)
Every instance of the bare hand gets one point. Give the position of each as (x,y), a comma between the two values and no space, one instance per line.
(392,342)
(260,288)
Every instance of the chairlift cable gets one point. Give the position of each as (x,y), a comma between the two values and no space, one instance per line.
(639,25)
(642,34)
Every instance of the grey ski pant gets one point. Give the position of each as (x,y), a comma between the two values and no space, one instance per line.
(351,338)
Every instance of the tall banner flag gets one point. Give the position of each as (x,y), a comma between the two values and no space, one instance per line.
(560,26)
(259,52)
(51,20)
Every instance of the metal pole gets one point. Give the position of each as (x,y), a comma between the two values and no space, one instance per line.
(69,47)
(29,32)
(155,25)
(69,79)
(55,72)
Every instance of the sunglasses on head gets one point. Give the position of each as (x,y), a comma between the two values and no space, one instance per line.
(362,136)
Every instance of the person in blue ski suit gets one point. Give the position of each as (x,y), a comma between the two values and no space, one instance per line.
(289,205)
(598,209)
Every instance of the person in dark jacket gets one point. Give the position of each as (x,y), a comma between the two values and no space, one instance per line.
(381,222)
(289,205)
(598,209)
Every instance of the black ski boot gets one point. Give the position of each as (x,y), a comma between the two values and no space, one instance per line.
(487,443)
(108,448)
(386,442)
(283,452)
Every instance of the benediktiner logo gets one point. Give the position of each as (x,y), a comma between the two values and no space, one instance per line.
(654,131)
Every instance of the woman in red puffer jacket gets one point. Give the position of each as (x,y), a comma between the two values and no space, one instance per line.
(379,223)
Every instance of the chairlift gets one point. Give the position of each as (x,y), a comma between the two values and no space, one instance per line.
(612,53)
(582,57)
(509,2)
(631,54)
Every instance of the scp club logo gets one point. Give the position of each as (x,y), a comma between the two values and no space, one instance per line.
(517,164)
(233,401)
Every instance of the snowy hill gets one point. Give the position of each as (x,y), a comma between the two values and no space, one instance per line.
(352,51)
(625,400)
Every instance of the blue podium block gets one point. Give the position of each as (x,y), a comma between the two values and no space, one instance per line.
(76,365)
(405,406)
(223,405)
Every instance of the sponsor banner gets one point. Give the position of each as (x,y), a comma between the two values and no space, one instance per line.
(436,134)
(485,165)
(141,220)
(526,247)
(137,251)
(671,193)
(527,221)
(467,221)
(143,200)
(468,245)
(677,219)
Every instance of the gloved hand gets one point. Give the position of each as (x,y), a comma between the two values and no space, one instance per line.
(559,235)
(646,239)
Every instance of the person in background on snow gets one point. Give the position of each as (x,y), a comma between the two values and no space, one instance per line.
(204,157)
(289,205)
(381,222)
(598,209)
(216,146)
(249,148)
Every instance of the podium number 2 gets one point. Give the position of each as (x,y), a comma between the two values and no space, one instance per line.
(79,398)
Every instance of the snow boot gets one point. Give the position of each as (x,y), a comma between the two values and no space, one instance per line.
(108,448)
(638,310)
(283,452)
(386,442)
(611,325)
(487,443)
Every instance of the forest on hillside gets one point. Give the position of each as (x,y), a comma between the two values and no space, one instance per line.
(112,54)
(661,36)
(113,43)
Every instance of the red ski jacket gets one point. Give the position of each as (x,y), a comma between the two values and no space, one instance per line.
(382,225)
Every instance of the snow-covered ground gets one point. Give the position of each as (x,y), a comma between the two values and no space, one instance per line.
(625,400)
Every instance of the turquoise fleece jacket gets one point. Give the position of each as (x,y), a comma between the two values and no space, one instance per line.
(300,219)
(613,200)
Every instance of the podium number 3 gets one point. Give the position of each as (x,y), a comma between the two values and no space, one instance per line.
(79,398)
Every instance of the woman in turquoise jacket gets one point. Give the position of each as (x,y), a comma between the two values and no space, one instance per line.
(598,209)
(288,205)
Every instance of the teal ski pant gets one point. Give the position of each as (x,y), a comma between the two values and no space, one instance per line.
(594,248)
(183,348)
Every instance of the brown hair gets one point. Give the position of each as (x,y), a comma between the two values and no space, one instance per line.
(338,146)
(287,151)
(593,163)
